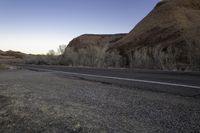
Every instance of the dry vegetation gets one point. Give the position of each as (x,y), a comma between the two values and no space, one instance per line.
(86,57)
(184,57)
(91,57)
(169,58)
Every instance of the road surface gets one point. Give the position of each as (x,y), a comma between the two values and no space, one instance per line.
(178,83)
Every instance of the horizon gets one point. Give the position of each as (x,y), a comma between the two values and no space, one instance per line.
(35,27)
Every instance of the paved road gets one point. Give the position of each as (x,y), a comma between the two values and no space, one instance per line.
(179,83)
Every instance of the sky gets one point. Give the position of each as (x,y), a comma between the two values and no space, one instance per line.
(36,26)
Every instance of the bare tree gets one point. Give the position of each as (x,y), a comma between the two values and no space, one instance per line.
(61,49)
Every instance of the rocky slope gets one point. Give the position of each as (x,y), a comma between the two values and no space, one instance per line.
(93,40)
(91,50)
(168,37)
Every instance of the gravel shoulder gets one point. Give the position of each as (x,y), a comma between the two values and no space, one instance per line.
(44,102)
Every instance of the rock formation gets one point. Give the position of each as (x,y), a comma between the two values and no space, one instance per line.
(168,37)
(93,40)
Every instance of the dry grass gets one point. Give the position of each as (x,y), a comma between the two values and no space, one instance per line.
(4,66)
(91,57)
(175,57)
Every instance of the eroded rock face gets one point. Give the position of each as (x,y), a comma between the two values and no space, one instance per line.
(168,37)
(89,40)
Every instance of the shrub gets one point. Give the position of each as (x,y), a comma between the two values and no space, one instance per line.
(91,57)
(42,60)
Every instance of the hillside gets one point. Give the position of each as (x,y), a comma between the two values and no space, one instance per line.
(93,40)
(11,56)
(168,37)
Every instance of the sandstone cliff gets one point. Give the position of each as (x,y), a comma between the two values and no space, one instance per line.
(168,37)
(93,40)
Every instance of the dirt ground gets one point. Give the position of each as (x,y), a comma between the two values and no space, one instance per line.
(44,102)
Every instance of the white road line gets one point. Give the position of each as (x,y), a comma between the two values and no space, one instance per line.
(125,79)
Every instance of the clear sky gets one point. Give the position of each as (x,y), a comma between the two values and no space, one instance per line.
(36,26)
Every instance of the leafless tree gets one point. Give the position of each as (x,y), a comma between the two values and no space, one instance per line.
(61,49)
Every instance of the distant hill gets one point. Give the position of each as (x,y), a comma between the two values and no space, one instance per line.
(168,37)
(11,55)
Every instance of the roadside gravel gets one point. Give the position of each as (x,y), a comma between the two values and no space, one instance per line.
(44,102)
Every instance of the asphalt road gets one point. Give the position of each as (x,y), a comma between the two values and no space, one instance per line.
(178,83)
